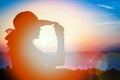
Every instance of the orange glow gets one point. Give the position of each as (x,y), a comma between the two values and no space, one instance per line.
(24,55)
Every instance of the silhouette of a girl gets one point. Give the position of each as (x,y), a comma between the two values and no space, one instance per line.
(27,27)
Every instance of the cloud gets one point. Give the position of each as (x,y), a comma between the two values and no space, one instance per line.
(110,27)
(109,23)
(105,6)
(108,31)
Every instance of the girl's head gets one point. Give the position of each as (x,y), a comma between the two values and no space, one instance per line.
(24,20)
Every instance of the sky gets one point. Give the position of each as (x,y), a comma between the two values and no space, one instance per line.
(90,25)
(92,20)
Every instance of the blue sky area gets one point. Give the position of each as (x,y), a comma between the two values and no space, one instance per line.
(111,6)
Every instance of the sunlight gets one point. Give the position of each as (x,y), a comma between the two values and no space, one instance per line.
(47,41)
